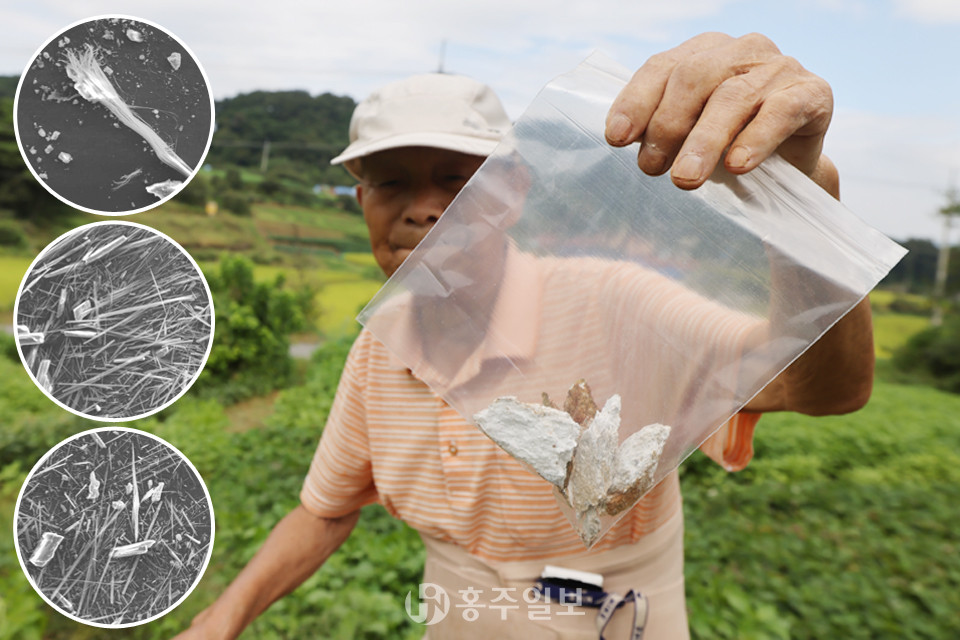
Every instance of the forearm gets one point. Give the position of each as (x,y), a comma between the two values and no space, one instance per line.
(835,375)
(298,545)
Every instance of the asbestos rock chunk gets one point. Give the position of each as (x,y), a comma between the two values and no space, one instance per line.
(164,189)
(543,437)
(594,459)
(578,450)
(635,467)
(580,404)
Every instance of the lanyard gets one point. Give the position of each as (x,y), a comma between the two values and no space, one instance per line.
(614,601)
(607,603)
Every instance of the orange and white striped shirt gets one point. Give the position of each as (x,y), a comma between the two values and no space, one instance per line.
(391,438)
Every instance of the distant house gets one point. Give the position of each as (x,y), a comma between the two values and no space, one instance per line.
(336,191)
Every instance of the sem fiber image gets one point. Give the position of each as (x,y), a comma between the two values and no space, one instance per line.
(114,527)
(113,115)
(114,321)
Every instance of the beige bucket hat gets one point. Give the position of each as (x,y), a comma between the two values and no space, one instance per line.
(432,110)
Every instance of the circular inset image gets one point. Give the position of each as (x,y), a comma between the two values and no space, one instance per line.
(114,527)
(113,115)
(114,321)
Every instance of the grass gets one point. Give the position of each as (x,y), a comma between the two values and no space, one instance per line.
(12,270)
(840,527)
(892,330)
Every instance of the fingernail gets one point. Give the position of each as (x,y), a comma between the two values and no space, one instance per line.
(618,128)
(738,157)
(688,168)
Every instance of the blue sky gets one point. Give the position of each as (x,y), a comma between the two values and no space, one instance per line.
(892,63)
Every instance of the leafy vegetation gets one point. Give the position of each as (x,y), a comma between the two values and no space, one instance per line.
(841,527)
(933,355)
(251,349)
(304,132)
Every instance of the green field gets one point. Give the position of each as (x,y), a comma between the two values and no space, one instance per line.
(12,270)
(343,280)
(841,527)
(892,330)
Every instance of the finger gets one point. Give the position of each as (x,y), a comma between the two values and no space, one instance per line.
(731,78)
(728,110)
(792,121)
(684,98)
(631,110)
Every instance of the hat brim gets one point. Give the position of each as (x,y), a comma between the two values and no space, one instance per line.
(452,142)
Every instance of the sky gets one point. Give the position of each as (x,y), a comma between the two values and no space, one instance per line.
(893,64)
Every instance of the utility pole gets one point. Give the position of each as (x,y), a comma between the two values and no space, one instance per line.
(443,54)
(943,258)
(265,156)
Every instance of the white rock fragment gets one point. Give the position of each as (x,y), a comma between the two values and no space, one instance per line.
(596,474)
(93,489)
(134,36)
(42,132)
(174,60)
(49,542)
(54,135)
(154,494)
(594,458)
(133,549)
(638,456)
(635,467)
(543,437)
(64,157)
(164,189)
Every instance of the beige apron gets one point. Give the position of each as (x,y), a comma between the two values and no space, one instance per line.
(506,608)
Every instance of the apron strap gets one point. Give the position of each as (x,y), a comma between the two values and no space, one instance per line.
(614,601)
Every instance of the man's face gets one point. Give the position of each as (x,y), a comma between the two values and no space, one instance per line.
(403,193)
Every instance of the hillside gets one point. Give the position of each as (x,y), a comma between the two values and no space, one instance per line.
(302,130)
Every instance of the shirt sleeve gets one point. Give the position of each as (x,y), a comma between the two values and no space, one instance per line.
(340,479)
(731,446)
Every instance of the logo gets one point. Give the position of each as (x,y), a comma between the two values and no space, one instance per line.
(432,607)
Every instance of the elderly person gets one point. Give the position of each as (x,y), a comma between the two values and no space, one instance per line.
(489,524)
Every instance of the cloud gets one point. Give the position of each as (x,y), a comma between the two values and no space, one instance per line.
(357,45)
(895,170)
(929,11)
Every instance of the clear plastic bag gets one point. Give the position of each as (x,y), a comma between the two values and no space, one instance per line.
(561,262)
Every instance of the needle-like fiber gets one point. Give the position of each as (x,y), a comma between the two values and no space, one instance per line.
(93,85)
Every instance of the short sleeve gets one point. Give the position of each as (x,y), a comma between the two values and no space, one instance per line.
(340,479)
(731,446)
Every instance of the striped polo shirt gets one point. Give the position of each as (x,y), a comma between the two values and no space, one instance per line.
(396,433)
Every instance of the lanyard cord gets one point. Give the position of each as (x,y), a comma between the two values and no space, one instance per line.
(614,601)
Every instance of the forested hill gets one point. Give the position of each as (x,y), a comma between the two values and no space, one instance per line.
(303,129)
(8,86)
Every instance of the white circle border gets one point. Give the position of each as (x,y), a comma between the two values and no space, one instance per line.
(206,560)
(206,287)
(16,124)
